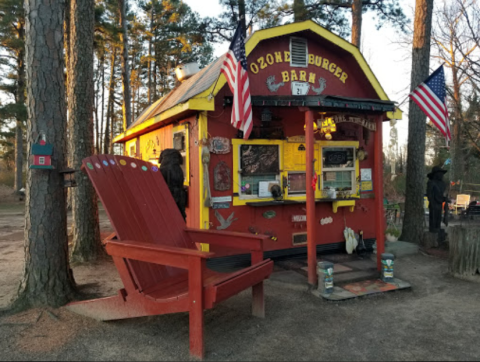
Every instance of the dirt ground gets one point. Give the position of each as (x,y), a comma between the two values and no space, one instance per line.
(438,319)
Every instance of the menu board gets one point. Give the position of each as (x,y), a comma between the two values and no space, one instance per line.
(259,159)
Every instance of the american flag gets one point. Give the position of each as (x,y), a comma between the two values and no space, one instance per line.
(430,96)
(234,68)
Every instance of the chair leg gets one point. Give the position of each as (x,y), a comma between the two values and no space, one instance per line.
(258,300)
(196,307)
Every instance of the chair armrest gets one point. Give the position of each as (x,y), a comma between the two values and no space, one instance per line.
(156,254)
(229,239)
(111,237)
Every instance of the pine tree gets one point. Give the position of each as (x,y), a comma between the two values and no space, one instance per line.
(12,41)
(47,279)
(85,228)
(415,188)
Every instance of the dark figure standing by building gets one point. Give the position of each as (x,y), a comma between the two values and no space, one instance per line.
(436,197)
(170,161)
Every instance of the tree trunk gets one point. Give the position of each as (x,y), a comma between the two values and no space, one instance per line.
(47,280)
(149,61)
(97,120)
(458,156)
(416,181)
(127,97)
(299,11)
(112,130)
(357,22)
(242,16)
(19,99)
(18,157)
(85,229)
(100,138)
(111,90)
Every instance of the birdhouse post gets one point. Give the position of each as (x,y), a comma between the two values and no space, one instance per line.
(41,154)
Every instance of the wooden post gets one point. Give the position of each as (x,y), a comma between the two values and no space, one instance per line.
(311,244)
(378,191)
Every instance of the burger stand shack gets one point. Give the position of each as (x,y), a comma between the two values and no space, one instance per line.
(312,165)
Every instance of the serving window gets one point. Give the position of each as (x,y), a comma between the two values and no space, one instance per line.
(339,168)
(258,164)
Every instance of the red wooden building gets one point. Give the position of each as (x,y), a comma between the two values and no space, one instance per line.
(304,81)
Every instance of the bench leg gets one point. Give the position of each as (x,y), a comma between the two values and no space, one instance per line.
(258,297)
(195,290)
(258,300)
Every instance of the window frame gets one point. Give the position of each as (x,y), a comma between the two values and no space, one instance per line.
(183,128)
(355,170)
(238,198)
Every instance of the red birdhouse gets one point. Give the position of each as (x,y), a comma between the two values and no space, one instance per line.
(41,155)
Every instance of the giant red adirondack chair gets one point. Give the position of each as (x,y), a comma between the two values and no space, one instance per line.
(156,255)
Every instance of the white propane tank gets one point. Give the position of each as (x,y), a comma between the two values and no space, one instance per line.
(185,71)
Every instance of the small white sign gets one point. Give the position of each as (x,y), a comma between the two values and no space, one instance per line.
(299,218)
(222,199)
(366,174)
(265,188)
(300,88)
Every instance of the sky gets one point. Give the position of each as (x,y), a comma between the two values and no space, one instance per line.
(389,59)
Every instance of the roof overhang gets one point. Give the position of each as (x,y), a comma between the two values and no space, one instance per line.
(193,105)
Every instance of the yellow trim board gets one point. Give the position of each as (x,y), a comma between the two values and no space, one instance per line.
(204,211)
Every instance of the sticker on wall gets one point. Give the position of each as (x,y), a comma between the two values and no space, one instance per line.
(326,220)
(272,234)
(224,223)
(300,88)
(221,205)
(367,186)
(222,178)
(220,145)
(299,218)
(270,214)
(222,199)
(322,85)
(272,87)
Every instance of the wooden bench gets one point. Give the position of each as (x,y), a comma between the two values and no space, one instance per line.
(156,255)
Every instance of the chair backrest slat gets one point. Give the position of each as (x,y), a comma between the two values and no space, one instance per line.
(140,207)
(463,199)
